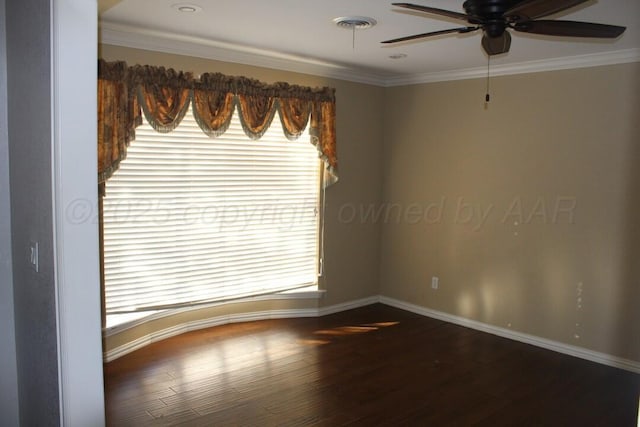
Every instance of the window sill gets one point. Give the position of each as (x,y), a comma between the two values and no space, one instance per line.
(120,322)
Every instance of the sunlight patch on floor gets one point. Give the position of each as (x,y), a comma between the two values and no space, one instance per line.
(313,342)
(351,330)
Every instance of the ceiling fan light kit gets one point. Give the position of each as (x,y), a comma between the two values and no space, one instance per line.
(496,17)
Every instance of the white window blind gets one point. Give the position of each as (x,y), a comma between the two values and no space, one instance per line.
(191,219)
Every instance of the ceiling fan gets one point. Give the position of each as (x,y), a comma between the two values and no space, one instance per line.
(495,17)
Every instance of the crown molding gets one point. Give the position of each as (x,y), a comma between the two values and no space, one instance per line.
(553,64)
(161,41)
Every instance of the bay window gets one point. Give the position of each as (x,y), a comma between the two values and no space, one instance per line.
(215,192)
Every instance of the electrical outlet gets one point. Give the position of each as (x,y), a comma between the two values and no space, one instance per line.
(434,282)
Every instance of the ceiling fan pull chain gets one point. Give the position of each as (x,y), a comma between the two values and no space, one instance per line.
(487,97)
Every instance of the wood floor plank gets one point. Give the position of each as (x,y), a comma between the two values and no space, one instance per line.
(373,366)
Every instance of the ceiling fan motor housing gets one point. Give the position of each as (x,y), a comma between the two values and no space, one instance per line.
(488,9)
(489,14)
(494,17)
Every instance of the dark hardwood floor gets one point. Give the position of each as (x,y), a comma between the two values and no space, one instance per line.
(373,366)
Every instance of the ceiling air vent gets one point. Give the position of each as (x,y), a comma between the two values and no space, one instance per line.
(354,22)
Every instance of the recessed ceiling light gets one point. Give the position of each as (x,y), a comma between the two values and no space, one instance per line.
(398,56)
(187,7)
(354,22)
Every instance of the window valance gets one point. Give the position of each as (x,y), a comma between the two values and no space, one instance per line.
(164,96)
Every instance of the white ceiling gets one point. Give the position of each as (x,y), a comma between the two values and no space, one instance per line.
(299,35)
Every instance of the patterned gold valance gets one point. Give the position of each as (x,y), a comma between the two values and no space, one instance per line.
(164,95)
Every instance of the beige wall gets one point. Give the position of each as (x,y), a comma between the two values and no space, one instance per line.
(550,171)
(352,250)
(520,208)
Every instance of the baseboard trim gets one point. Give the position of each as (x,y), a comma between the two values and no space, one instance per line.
(582,353)
(325,311)
(302,293)
(195,325)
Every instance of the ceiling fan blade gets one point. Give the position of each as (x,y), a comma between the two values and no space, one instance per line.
(570,29)
(534,9)
(496,45)
(433,10)
(433,33)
